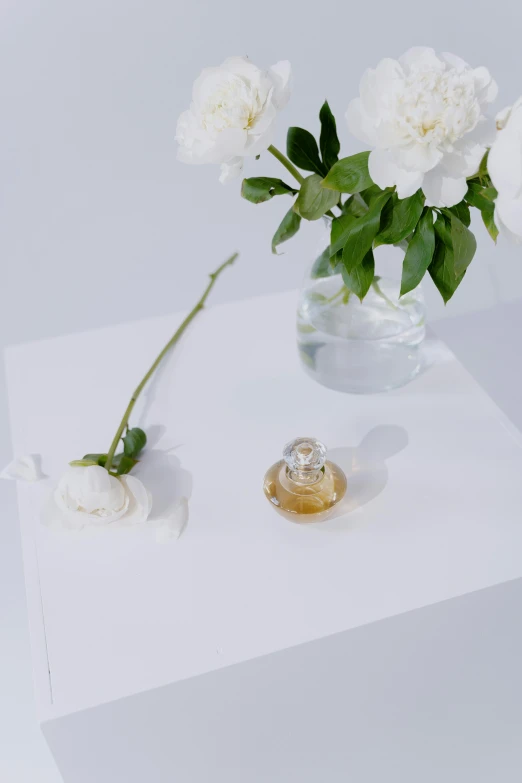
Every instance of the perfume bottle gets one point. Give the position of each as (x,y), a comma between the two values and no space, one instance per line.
(304,486)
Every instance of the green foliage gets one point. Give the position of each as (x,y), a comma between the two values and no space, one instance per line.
(123,464)
(399,218)
(288,227)
(461,211)
(99,459)
(341,230)
(463,243)
(419,254)
(442,267)
(313,200)
(302,149)
(349,175)
(483,198)
(355,205)
(260,189)
(362,232)
(324,266)
(328,141)
(358,278)
(133,442)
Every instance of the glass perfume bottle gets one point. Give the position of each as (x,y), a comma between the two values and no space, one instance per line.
(304,486)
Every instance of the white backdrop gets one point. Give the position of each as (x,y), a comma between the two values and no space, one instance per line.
(99,223)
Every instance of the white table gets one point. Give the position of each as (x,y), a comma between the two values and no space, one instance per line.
(253,649)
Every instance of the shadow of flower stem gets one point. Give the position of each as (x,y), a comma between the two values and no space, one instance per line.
(173,340)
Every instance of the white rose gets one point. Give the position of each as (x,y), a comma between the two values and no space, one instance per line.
(505,170)
(90,496)
(424,115)
(232,114)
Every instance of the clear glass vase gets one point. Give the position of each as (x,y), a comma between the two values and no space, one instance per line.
(359,347)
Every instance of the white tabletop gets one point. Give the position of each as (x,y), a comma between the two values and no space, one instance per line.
(429,515)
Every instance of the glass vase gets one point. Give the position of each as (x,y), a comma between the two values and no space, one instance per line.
(359,347)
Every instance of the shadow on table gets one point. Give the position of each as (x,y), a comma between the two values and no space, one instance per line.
(165,478)
(366,472)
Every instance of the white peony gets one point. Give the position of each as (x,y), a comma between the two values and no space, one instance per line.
(90,496)
(424,114)
(505,170)
(232,114)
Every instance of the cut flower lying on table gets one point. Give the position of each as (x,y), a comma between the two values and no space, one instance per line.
(96,491)
(425,116)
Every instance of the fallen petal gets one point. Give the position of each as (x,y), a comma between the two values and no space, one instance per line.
(24,469)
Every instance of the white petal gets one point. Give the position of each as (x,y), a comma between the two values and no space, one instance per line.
(418,157)
(263,123)
(454,61)
(359,123)
(504,230)
(243,67)
(505,162)
(503,117)
(140,504)
(441,190)
(408,182)
(420,56)
(281,75)
(385,172)
(23,469)
(485,85)
(465,158)
(510,213)
(173,523)
(230,143)
(231,170)
(377,84)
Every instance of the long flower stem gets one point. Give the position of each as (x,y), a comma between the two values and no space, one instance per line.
(173,340)
(286,163)
(292,169)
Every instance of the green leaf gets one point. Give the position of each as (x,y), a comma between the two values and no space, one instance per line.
(302,149)
(313,200)
(133,442)
(442,267)
(123,464)
(479,197)
(419,253)
(341,229)
(360,278)
(324,266)
(484,200)
(288,227)
(328,141)
(461,211)
(488,218)
(399,218)
(483,168)
(99,459)
(260,189)
(82,463)
(349,175)
(464,245)
(355,205)
(361,233)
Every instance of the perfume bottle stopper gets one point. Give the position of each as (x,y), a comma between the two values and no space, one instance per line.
(304,486)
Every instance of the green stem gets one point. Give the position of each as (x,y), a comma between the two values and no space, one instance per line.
(378,290)
(292,169)
(286,163)
(173,340)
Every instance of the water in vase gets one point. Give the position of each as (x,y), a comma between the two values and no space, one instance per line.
(359,347)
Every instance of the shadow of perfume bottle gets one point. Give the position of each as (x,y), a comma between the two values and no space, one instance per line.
(366,472)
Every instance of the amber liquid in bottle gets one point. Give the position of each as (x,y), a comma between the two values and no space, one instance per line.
(304,486)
